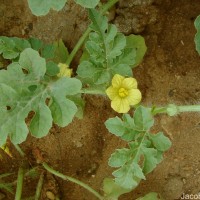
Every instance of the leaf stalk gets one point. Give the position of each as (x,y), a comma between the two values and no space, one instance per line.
(173,109)
(39,187)
(20,178)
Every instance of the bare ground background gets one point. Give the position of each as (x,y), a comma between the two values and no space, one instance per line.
(170,73)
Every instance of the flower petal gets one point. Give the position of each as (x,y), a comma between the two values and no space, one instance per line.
(134,97)
(120,105)
(117,80)
(129,83)
(112,92)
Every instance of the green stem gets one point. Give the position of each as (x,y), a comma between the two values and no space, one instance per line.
(79,44)
(158,110)
(19,184)
(64,177)
(108,5)
(22,154)
(39,187)
(25,175)
(172,109)
(93,91)
(189,108)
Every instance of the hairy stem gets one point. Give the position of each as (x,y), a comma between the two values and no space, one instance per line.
(189,108)
(172,109)
(79,44)
(93,91)
(64,177)
(20,178)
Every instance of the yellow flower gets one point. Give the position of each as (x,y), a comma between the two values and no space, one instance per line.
(65,71)
(123,93)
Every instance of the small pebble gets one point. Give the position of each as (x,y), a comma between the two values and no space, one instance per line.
(50,195)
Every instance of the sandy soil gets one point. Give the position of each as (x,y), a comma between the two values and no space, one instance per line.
(170,73)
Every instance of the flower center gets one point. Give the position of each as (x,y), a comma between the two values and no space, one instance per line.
(123,92)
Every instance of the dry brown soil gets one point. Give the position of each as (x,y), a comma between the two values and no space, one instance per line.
(170,73)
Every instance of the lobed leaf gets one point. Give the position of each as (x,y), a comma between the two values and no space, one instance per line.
(120,157)
(55,53)
(150,159)
(160,141)
(107,52)
(42,7)
(61,52)
(10,48)
(115,126)
(128,175)
(137,42)
(88,3)
(145,149)
(143,118)
(112,190)
(151,196)
(25,88)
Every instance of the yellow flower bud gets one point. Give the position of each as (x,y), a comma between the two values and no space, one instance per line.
(65,71)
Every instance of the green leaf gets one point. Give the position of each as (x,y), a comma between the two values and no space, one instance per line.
(88,3)
(197,36)
(12,47)
(63,111)
(86,69)
(52,68)
(150,159)
(41,122)
(24,87)
(120,157)
(125,129)
(42,7)
(99,23)
(102,77)
(95,51)
(61,53)
(56,52)
(107,52)
(48,51)
(161,142)
(80,103)
(143,118)
(151,196)
(111,190)
(128,177)
(115,126)
(126,58)
(131,131)
(122,69)
(118,46)
(137,42)
(145,149)
(36,44)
